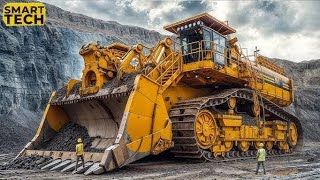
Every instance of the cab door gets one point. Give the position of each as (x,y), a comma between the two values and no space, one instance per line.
(207,45)
(219,48)
(190,40)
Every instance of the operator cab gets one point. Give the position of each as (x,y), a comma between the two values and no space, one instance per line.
(202,38)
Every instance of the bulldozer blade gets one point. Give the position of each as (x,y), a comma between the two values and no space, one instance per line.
(62,165)
(82,169)
(51,165)
(99,170)
(69,168)
(45,163)
(124,124)
(92,169)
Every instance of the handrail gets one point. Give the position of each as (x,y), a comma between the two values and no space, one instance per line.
(161,62)
(197,48)
(171,67)
(201,51)
(253,78)
(170,70)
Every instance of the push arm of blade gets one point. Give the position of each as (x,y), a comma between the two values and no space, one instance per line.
(163,47)
(142,60)
(125,66)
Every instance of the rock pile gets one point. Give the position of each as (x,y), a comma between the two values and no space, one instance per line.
(32,162)
(65,139)
(127,79)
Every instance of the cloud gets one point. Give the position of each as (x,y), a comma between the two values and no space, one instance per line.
(283,29)
(268,17)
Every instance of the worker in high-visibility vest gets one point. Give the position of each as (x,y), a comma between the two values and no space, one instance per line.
(261,157)
(79,153)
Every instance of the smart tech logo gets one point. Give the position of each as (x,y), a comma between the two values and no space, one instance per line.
(24,14)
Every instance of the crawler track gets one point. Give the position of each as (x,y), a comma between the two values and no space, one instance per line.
(184,113)
(242,158)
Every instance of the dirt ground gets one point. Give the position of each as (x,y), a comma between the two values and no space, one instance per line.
(305,165)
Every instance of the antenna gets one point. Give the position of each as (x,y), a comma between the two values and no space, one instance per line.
(256,52)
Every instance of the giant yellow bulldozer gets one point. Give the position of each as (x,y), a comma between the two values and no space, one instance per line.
(200,96)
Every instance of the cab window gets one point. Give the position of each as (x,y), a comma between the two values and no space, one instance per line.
(184,43)
(219,46)
(189,40)
(207,39)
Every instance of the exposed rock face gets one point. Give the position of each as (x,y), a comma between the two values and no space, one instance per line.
(36,60)
(306,77)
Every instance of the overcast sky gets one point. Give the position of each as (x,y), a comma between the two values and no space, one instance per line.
(281,29)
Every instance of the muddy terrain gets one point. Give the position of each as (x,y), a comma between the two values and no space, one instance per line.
(304,165)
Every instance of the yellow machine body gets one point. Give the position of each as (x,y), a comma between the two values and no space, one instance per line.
(176,92)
